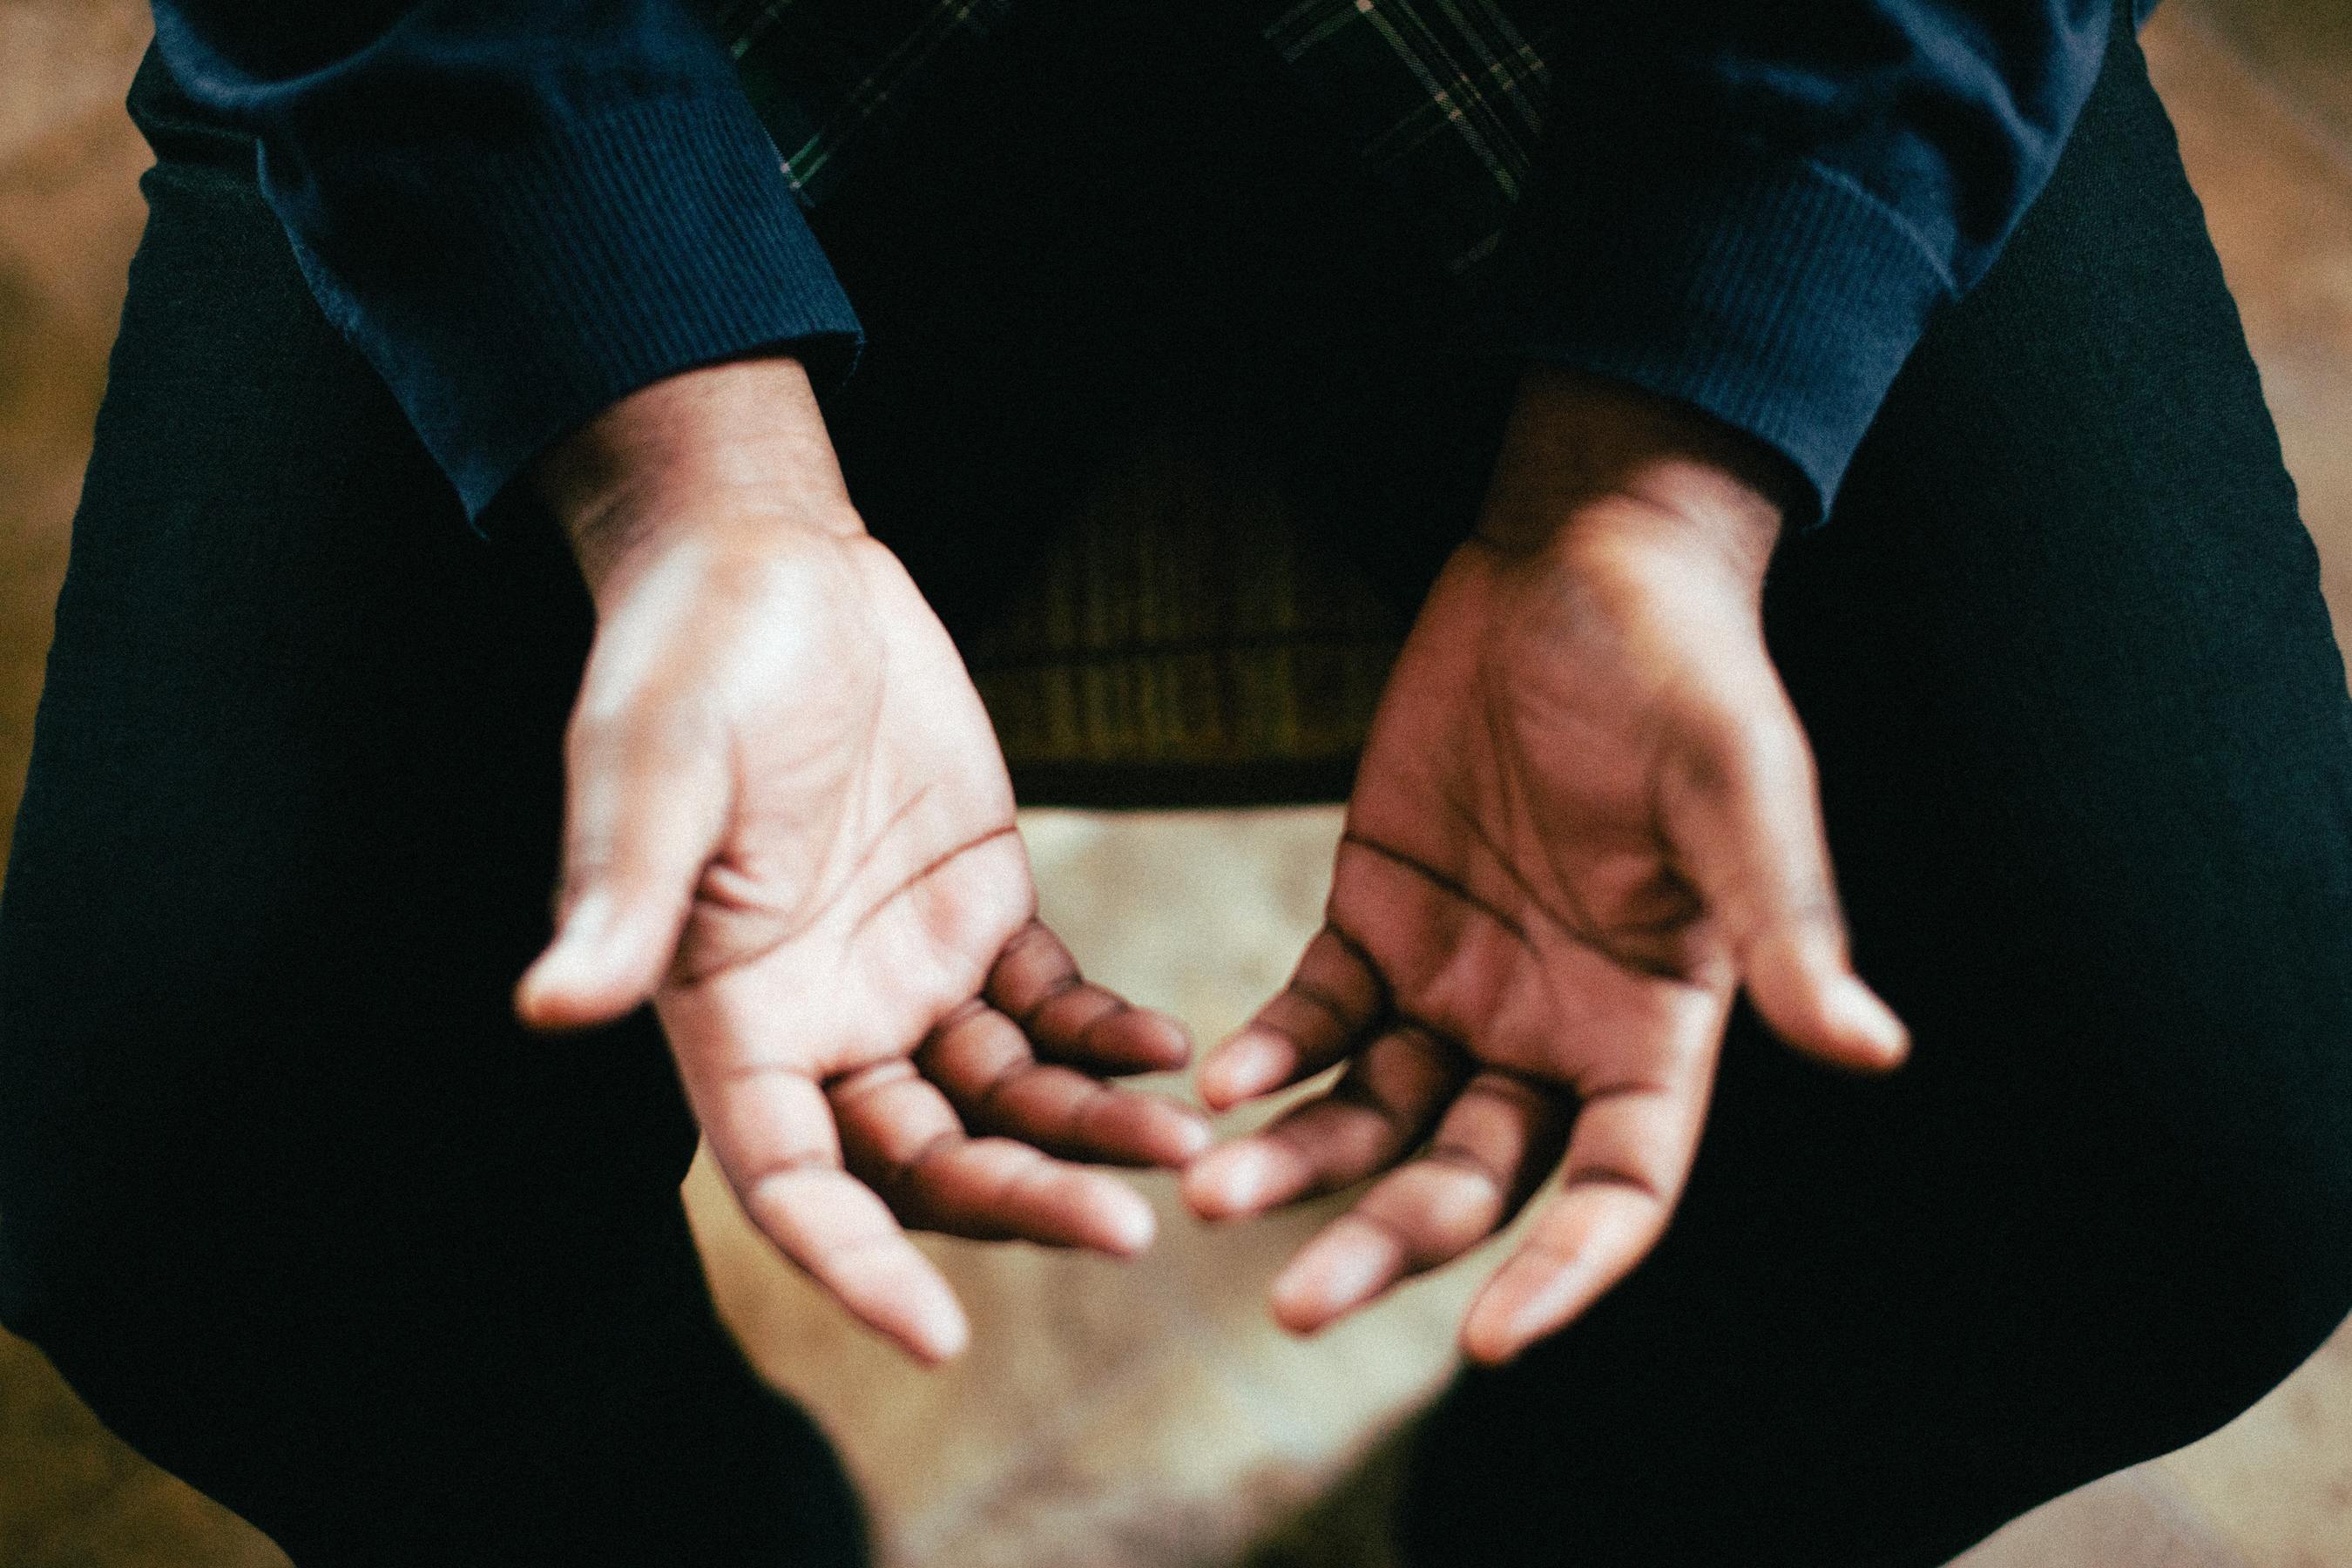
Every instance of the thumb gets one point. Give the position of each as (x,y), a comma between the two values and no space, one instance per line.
(1742,812)
(642,819)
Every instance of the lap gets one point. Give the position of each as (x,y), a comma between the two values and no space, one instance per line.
(2087,758)
(2084,740)
(288,1196)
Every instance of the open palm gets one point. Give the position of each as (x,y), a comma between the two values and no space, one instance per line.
(1584,818)
(790,824)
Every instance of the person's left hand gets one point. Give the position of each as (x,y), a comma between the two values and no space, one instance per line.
(1585,818)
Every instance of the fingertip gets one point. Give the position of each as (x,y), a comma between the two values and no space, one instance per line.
(1165,1039)
(1293,1313)
(1201,1192)
(532,1005)
(1815,1002)
(1099,1213)
(1207,1187)
(1524,1303)
(1873,1025)
(1299,1300)
(941,1345)
(1333,1275)
(1150,1132)
(592,972)
(1485,1342)
(554,995)
(1130,1039)
(1246,1066)
(932,1327)
(1130,1226)
(1228,1182)
(1859,1031)
(1154,1133)
(1187,1139)
(1495,1330)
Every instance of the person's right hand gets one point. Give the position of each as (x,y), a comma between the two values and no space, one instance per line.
(788,824)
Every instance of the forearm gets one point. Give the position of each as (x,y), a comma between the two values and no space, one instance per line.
(1755,208)
(520,213)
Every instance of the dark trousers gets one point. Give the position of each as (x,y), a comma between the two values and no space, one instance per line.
(2087,768)
(284,1192)
(288,1198)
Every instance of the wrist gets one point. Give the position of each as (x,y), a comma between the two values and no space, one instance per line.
(731,455)
(1588,463)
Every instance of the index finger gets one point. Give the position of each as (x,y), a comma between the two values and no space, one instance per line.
(1334,995)
(1070,1019)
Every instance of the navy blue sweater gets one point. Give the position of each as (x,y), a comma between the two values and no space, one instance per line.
(521,210)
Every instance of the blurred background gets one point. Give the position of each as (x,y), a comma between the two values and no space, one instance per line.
(1146,1416)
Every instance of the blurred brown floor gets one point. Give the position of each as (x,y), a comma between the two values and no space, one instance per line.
(1148,1416)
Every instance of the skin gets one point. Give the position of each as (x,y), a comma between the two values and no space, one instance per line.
(788,826)
(1585,819)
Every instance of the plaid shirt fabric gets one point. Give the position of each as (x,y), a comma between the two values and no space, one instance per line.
(1445,97)
(1183,643)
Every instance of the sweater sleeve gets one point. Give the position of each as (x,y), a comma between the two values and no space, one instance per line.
(519,211)
(1755,206)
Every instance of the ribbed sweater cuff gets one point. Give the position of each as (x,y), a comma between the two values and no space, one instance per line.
(534,284)
(1765,290)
